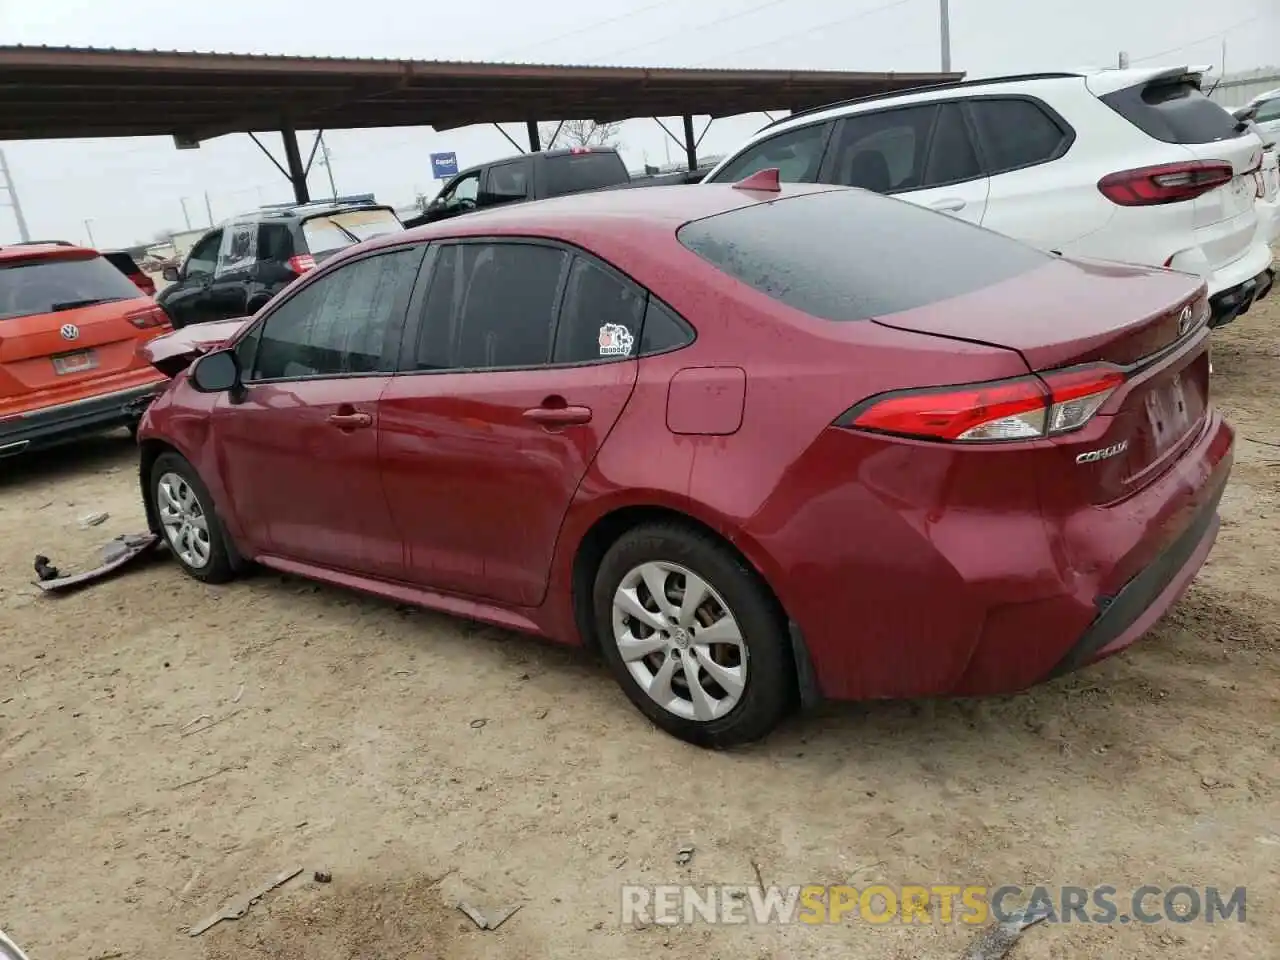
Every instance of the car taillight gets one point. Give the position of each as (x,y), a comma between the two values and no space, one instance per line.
(1166,183)
(1024,408)
(149,317)
(144,283)
(301,263)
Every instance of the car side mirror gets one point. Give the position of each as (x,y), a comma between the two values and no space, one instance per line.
(171,274)
(216,372)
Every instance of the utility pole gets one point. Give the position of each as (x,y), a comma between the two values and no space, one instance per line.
(186,213)
(208,207)
(328,166)
(23,233)
(944,13)
(1123,62)
(88,228)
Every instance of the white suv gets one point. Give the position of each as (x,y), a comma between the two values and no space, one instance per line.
(1132,165)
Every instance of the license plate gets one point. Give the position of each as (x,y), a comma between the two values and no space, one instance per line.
(1168,413)
(77,362)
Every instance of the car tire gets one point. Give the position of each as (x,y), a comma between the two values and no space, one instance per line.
(757,670)
(188,522)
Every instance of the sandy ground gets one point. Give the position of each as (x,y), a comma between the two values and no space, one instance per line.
(419,758)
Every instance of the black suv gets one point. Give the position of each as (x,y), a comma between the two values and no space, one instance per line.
(234,269)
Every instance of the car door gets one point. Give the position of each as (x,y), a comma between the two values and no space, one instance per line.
(237,259)
(299,446)
(521,363)
(184,300)
(922,153)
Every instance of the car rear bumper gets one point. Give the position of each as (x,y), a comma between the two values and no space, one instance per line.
(50,426)
(1236,301)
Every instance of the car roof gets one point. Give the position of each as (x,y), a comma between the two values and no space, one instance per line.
(645,210)
(53,250)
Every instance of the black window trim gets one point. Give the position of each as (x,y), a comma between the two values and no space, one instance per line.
(413,329)
(1068,132)
(388,353)
(829,157)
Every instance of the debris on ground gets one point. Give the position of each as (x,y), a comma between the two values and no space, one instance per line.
(239,694)
(237,908)
(93,520)
(684,855)
(322,876)
(491,919)
(212,723)
(997,941)
(478,722)
(116,554)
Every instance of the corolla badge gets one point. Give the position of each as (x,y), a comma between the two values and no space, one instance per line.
(1106,453)
(1184,320)
(70,331)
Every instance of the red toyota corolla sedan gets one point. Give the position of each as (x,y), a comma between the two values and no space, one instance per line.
(757,445)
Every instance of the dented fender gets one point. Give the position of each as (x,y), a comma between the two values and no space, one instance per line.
(172,353)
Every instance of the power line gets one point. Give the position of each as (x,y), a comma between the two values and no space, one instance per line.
(1192,43)
(814,29)
(695,28)
(592,26)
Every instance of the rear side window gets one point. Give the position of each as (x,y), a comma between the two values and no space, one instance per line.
(572,172)
(490,305)
(508,181)
(797,154)
(601,316)
(850,255)
(1017,133)
(51,286)
(663,329)
(275,243)
(883,152)
(1175,112)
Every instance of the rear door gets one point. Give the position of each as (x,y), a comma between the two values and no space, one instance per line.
(1172,109)
(923,154)
(523,359)
(64,323)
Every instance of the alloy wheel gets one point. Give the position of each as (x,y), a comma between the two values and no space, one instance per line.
(680,641)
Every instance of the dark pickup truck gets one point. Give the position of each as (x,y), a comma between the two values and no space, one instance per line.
(540,176)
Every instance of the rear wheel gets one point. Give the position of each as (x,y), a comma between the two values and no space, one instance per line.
(693,636)
(187,519)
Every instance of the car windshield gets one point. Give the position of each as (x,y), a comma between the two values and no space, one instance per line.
(851,254)
(333,231)
(49,286)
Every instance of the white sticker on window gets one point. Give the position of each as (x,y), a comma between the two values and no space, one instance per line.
(615,340)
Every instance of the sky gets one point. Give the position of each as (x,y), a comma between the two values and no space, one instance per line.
(130,189)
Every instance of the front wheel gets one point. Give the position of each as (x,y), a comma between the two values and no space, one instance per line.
(693,636)
(188,521)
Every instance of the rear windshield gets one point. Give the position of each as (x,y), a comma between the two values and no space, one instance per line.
(333,231)
(571,172)
(1174,112)
(851,255)
(50,286)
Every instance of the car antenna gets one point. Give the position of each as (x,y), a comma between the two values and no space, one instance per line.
(767,180)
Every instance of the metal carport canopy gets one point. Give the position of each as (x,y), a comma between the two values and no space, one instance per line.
(63,92)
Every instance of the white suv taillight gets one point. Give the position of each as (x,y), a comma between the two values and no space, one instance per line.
(1024,408)
(1165,183)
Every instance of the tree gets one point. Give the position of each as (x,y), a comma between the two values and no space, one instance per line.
(580,133)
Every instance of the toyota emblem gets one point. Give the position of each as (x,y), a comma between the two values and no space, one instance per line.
(70,331)
(1184,321)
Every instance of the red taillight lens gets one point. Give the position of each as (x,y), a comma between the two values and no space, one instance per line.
(149,318)
(1026,408)
(144,283)
(1166,183)
(301,263)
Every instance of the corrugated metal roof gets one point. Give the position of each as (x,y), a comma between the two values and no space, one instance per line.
(51,92)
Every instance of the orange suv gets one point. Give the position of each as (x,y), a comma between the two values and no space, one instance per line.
(70,328)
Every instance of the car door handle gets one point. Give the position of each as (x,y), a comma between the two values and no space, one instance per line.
(350,421)
(948,205)
(558,416)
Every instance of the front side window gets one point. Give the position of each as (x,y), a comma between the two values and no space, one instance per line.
(340,323)
(490,305)
(1016,133)
(1270,110)
(883,152)
(797,154)
(462,192)
(204,256)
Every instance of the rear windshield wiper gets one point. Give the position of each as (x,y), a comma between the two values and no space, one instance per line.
(91,301)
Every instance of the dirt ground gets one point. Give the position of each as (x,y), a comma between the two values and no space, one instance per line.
(420,758)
